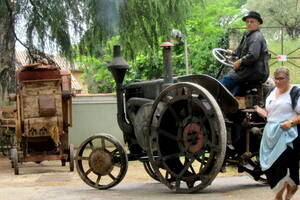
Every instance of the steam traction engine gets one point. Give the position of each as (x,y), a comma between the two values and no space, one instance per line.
(184,129)
(43,103)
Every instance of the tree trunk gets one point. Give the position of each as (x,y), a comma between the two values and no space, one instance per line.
(7,52)
(293,32)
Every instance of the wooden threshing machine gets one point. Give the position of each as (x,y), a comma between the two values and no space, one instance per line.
(43,104)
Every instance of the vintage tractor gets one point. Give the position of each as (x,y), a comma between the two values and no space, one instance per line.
(43,115)
(184,130)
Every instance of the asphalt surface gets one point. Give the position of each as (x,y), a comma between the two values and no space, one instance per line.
(50,181)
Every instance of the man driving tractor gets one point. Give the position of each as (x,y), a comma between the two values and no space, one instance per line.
(252,54)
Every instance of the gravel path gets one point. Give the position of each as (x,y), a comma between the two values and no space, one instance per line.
(51,181)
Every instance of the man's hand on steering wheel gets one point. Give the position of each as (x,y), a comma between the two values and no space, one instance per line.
(237,64)
(229,52)
(221,55)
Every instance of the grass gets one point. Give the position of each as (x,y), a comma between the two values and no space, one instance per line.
(288,47)
(273,37)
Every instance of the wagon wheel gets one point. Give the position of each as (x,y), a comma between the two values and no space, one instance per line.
(71,157)
(101,161)
(14,158)
(186,138)
(149,170)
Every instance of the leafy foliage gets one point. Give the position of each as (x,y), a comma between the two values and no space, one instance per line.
(49,21)
(207,29)
(140,26)
(204,27)
(7,45)
(146,24)
(96,75)
(279,13)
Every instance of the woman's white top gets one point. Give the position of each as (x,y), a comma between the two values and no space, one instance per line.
(275,140)
(280,109)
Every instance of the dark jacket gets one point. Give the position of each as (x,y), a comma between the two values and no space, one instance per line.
(253,53)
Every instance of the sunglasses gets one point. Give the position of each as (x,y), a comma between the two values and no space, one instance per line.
(279,78)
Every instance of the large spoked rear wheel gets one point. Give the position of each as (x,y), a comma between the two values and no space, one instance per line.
(148,168)
(101,161)
(187,137)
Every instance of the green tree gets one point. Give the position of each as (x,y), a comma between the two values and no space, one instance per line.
(50,22)
(207,29)
(146,24)
(204,27)
(141,26)
(44,21)
(7,45)
(279,13)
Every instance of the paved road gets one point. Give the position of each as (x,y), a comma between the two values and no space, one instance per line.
(56,183)
(234,188)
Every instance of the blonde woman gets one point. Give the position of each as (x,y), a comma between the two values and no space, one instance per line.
(279,154)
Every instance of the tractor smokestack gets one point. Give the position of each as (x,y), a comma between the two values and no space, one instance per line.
(118,65)
(167,57)
(118,68)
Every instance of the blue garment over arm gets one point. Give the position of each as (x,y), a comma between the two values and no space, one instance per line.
(274,142)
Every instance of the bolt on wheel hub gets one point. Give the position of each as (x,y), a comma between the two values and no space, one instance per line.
(101,162)
(193,138)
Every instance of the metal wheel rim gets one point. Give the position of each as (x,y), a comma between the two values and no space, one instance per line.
(120,162)
(150,171)
(175,183)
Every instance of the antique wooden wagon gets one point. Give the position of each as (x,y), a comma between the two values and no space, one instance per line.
(43,103)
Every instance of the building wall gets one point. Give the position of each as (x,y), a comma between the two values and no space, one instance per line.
(94,114)
(77,74)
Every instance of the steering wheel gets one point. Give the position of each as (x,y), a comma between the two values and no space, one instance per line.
(221,56)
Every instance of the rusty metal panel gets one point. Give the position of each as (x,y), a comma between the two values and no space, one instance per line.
(66,80)
(31,92)
(44,126)
(38,75)
(47,106)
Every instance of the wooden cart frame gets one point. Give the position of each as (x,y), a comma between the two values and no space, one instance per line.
(44,113)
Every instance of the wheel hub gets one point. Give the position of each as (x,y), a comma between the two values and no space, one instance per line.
(193,138)
(101,162)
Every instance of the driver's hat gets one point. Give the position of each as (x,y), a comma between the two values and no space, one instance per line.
(253,14)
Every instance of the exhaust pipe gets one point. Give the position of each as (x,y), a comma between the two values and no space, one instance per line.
(167,57)
(118,68)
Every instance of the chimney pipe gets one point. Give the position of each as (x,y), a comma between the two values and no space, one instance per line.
(118,68)
(167,58)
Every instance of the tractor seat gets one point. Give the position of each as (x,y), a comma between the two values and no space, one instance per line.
(250,88)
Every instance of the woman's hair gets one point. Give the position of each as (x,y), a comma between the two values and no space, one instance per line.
(282,70)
